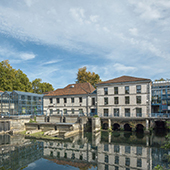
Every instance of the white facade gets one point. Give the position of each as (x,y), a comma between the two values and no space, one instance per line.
(69,104)
(128,99)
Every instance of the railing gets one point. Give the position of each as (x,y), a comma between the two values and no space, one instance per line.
(162,115)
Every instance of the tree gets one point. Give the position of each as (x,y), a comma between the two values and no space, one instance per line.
(12,79)
(40,88)
(87,76)
(161,79)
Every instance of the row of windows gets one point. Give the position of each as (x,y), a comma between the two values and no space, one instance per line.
(127,100)
(127,149)
(72,100)
(127,161)
(65,100)
(65,111)
(127,91)
(127,112)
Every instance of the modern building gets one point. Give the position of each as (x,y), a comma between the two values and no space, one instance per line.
(124,96)
(74,99)
(21,103)
(161,97)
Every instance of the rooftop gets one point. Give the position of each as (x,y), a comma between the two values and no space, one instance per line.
(73,89)
(123,79)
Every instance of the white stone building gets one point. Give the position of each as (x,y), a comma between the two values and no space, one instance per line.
(74,99)
(124,97)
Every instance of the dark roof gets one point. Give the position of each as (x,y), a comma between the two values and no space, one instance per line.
(123,79)
(73,89)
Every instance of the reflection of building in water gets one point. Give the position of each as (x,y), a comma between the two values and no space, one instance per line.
(123,157)
(15,156)
(79,151)
(106,155)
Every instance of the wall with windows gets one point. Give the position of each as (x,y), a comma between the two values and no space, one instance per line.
(124,100)
(72,104)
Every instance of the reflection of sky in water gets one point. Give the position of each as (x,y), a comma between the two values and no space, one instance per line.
(43,164)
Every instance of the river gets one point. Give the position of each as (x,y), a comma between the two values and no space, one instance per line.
(86,151)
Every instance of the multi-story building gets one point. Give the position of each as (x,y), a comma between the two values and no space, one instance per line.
(21,103)
(74,99)
(161,97)
(124,96)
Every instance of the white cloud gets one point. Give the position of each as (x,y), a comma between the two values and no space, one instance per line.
(13,55)
(133,31)
(27,56)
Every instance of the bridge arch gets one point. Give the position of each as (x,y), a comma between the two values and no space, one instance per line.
(160,125)
(127,127)
(139,128)
(115,126)
(105,125)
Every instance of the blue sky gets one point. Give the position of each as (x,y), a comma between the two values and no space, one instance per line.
(52,39)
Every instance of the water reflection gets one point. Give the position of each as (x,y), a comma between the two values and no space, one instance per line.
(101,151)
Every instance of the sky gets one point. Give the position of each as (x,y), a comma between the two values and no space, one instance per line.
(52,39)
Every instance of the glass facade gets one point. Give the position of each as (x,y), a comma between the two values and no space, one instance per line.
(21,103)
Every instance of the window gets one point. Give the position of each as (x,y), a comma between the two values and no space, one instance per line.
(93,102)
(72,100)
(105,91)
(116,148)
(138,89)
(106,167)
(81,157)
(116,90)
(106,112)
(58,100)
(106,147)
(93,156)
(127,161)
(126,99)
(116,168)
(116,160)
(72,111)
(58,111)
(65,111)
(138,150)
(139,162)
(51,111)
(126,89)
(58,154)
(127,149)
(65,100)
(106,159)
(116,112)
(73,156)
(80,111)
(65,155)
(51,100)
(80,99)
(138,99)
(127,112)
(138,112)
(105,101)
(116,100)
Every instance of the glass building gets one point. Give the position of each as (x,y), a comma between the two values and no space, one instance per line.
(21,103)
(161,97)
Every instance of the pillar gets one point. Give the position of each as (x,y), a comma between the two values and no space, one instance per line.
(147,126)
(109,124)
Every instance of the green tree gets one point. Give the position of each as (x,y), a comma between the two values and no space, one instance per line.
(161,79)
(40,88)
(22,82)
(86,76)
(7,76)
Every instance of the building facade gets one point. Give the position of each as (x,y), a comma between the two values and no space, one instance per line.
(74,99)
(124,97)
(21,103)
(161,97)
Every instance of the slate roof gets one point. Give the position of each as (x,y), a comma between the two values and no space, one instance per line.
(124,79)
(73,89)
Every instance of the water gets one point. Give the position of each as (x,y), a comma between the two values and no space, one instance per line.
(86,151)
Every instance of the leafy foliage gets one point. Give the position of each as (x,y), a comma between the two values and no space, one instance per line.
(86,76)
(161,79)
(12,79)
